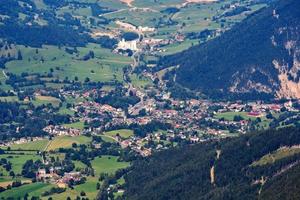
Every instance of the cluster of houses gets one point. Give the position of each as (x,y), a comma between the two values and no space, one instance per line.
(52,177)
(61,130)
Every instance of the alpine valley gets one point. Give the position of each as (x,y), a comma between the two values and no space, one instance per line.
(149,99)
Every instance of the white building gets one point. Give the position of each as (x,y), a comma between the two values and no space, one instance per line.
(132,45)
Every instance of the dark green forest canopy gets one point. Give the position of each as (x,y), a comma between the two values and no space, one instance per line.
(185,173)
(210,67)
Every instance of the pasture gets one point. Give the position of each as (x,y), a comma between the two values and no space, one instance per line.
(105,66)
(66,142)
(230,115)
(54,144)
(34,189)
(18,160)
(44,100)
(78,125)
(38,145)
(107,164)
(124,133)
(106,138)
(9,99)
(140,81)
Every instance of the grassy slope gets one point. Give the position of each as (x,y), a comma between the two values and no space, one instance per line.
(106,65)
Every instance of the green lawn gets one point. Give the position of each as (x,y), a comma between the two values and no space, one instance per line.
(124,133)
(107,164)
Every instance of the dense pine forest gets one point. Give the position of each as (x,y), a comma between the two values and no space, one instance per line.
(226,169)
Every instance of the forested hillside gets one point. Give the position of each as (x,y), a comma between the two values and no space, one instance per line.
(235,168)
(257,58)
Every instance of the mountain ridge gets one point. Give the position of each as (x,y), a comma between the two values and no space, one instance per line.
(259,55)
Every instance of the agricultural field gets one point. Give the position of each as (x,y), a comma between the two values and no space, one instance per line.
(55,143)
(178,47)
(140,81)
(105,66)
(38,145)
(34,189)
(124,133)
(9,99)
(106,138)
(44,100)
(7,180)
(78,125)
(107,164)
(66,142)
(230,115)
(18,160)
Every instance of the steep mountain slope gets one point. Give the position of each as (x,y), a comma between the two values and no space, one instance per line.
(261,55)
(236,168)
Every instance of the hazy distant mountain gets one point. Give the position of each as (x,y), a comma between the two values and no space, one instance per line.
(260,56)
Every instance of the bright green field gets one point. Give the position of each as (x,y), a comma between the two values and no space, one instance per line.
(78,125)
(35,189)
(67,141)
(106,66)
(103,164)
(178,47)
(44,100)
(34,145)
(9,99)
(140,82)
(89,187)
(107,139)
(55,143)
(19,160)
(124,133)
(107,164)
(230,115)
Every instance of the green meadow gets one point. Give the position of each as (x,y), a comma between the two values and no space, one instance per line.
(34,189)
(124,133)
(18,160)
(107,164)
(105,66)
(66,142)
